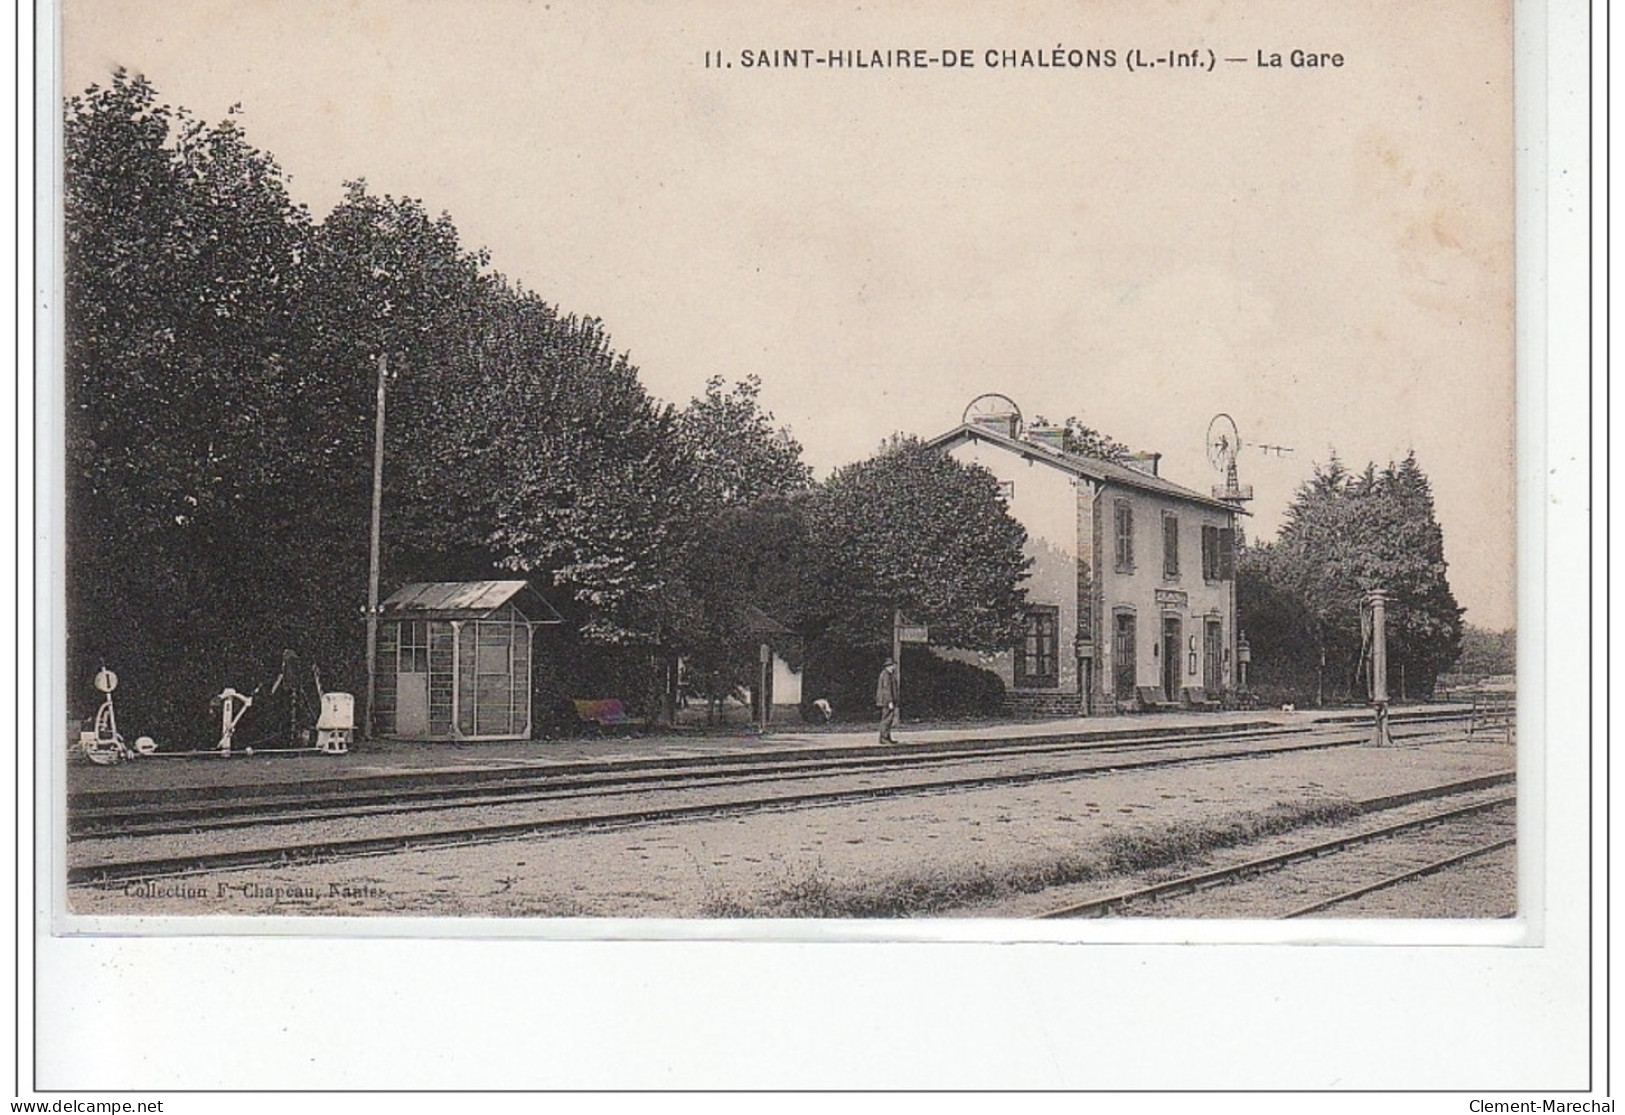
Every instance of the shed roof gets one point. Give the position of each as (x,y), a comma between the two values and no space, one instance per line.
(758,622)
(1090,468)
(468,599)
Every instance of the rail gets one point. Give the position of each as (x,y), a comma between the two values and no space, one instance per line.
(1100,907)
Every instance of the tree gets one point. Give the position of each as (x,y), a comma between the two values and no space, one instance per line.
(1487,653)
(914,529)
(746,561)
(1343,535)
(739,455)
(911,529)
(182,273)
(744,542)
(221,371)
(1282,630)
(590,482)
(1426,630)
(1086,441)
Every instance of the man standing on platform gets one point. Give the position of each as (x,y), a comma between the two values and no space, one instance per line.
(886,700)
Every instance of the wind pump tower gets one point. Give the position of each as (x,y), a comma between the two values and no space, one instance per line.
(1223,443)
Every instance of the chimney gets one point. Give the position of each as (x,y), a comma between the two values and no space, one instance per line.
(999,423)
(1143,462)
(1050,437)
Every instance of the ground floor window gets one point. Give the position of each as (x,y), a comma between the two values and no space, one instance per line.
(1038,653)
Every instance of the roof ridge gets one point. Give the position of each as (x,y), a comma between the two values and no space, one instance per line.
(1095,468)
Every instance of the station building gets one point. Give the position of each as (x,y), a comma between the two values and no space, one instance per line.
(1131,598)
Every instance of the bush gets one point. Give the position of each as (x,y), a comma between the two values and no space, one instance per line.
(933,688)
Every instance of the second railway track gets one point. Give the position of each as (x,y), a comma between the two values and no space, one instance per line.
(112,865)
(114,815)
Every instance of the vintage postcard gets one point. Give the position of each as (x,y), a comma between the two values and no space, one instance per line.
(563,462)
(815,517)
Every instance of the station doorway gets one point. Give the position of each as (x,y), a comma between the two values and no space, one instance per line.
(1170,657)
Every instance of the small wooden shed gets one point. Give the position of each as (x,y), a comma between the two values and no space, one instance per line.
(454,660)
(782,680)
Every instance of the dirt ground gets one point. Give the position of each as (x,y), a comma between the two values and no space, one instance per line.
(905,854)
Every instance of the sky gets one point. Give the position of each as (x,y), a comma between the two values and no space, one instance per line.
(1323,253)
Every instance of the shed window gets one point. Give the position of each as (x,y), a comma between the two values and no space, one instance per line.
(1170,545)
(414,647)
(1037,656)
(1124,519)
(492,654)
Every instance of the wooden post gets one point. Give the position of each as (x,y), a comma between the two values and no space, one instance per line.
(766,654)
(897,655)
(372,556)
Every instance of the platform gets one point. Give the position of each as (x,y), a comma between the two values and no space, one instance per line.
(197,774)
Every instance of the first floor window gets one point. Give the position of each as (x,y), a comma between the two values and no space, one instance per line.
(1038,654)
(1218,554)
(1123,532)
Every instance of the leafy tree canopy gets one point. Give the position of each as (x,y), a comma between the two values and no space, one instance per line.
(739,455)
(1343,535)
(1086,441)
(1487,653)
(913,528)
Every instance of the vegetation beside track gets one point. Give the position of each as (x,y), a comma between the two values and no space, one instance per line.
(814,893)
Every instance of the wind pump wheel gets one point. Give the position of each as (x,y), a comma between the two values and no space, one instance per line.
(1223,444)
(999,412)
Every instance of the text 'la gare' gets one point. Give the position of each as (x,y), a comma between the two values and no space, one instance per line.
(1300,59)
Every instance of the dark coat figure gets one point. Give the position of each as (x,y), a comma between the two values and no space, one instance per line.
(886,700)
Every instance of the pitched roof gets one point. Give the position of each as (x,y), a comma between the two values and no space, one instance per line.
(1091,468)
(758,622)
(448,599)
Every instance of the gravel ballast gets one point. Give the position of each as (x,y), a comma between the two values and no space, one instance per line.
(982,851)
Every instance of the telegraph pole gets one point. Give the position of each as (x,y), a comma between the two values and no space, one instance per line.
(372,556)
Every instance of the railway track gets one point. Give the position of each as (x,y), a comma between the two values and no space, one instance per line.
(1208,880)
(424,793)
(355,798)
(1401,878)
(120,869)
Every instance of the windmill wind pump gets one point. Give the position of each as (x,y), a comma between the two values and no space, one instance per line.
(1223,443)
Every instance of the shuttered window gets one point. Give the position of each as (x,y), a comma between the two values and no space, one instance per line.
(1124,519)
(1170,546)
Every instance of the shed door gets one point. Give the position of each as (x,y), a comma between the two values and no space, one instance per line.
(412,705)
(412,681)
